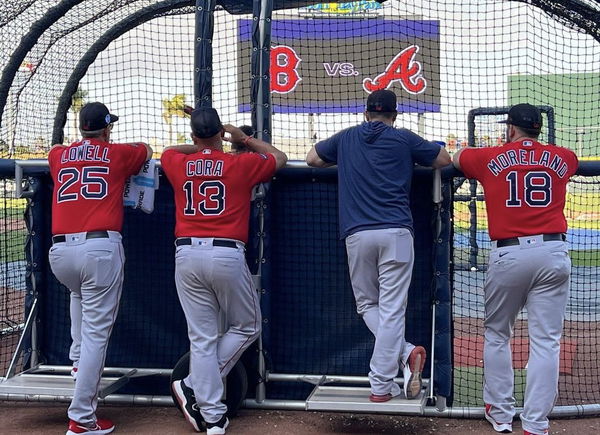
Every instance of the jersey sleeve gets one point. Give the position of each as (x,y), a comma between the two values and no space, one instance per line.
(259,168)
(572,161)
(472,161)
(327,149)
(133,157)
(54,155)
(168,159)
(422,151)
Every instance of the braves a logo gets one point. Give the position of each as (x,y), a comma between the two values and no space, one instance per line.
(284,76)
(404,69)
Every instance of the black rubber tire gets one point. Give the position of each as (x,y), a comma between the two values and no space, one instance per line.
(237,384)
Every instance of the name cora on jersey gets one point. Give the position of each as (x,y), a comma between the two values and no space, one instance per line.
(526,158)
(86,152)
(204,167)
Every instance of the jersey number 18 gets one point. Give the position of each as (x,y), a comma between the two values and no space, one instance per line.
(535,189)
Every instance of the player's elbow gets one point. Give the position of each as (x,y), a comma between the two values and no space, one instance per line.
(313,159)
(443,159)
(281,159)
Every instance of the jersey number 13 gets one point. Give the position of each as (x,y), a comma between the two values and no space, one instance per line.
(213,192)
(535,188)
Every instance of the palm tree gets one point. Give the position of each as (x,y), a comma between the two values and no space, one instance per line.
(77,102)
(173,107)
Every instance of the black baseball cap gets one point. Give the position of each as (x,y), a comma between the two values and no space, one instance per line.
(524,115)
(95,116)
(382,101)
(205,122)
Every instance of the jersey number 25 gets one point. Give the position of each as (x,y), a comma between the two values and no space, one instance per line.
(535,189)
(93,184)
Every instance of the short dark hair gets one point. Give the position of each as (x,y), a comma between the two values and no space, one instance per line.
(380,115)
(238,146)
(91,134)
(529,132)
(247,129)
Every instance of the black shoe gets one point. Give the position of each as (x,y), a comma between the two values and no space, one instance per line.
(189,407)
(217,428)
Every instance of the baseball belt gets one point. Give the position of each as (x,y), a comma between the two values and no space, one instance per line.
(555,237)
(216,242)
(89,235)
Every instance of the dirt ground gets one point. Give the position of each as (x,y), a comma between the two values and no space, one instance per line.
(50,418)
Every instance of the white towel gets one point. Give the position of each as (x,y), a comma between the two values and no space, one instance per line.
(139,189)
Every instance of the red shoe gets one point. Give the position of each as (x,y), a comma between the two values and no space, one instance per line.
(100,428)
(413,382)
(380,398)
(526,432)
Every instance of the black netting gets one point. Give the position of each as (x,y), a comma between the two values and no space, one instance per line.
(313,324)
(12,271)
(451,57)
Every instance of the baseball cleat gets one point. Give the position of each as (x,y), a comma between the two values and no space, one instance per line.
(189,407)
(526,432)
(217,428)
(498,427)
(379,398)
(101,427)
(413,382)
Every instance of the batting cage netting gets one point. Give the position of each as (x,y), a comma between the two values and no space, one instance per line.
(456,67)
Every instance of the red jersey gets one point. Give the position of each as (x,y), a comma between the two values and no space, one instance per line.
(89,178)
(525,185)
(212,190)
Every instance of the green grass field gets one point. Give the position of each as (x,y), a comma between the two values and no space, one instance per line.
(12,246)
(468,386)
(12,233)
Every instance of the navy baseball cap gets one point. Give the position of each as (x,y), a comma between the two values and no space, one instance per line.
(205,122)
(524,115)
(382,101)
(95,116)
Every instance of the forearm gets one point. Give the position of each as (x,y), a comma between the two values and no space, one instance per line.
(184,148)
(263,147)
(313,159)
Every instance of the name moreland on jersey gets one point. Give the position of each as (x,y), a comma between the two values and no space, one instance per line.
(525,158)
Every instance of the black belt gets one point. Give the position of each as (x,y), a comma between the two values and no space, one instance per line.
(216,242)
(89,235)
(547,238)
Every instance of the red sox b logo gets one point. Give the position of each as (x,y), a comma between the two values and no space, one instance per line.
(404,69)
(284,76)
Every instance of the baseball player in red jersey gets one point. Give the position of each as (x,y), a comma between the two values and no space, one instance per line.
(525,186)
(212,205)
(86,254)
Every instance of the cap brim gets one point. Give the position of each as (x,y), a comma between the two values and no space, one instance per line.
(503,122)
(113,118)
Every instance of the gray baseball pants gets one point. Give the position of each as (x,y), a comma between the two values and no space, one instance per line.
(534,275)
(92,270)
(380,263)
(208,279)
